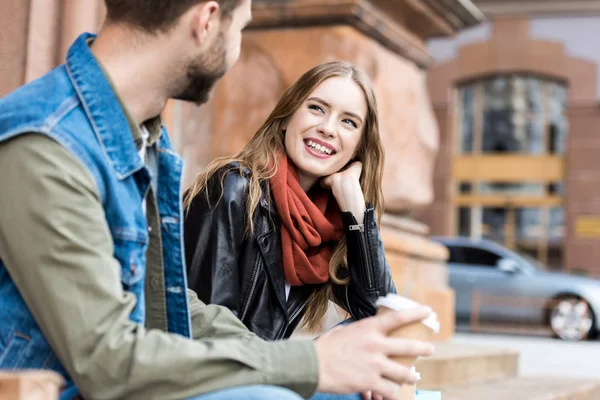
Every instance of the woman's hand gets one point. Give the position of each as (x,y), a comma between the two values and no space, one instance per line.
(345,186)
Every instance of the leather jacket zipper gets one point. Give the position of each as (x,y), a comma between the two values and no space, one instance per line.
(357,227)
(292,318)
(364,253)
(365,257)
(298,311)
(348,305)
(252,288)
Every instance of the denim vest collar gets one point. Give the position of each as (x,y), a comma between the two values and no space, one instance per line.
(103,108)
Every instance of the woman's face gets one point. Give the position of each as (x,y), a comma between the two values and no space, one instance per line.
(324,132)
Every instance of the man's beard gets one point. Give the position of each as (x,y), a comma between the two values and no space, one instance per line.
(203,73)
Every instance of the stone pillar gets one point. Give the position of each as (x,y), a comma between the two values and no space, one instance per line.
(78,16)
(14,19)
(42,41)
(36,35)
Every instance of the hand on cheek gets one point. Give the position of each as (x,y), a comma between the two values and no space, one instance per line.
(346,189)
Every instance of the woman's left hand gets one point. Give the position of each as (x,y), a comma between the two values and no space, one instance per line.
(345,186)
(351,174)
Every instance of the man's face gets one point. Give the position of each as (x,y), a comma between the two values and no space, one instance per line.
(204,70)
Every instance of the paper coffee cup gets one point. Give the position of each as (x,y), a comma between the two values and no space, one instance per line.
(422,330)
(30,385)
(409,392)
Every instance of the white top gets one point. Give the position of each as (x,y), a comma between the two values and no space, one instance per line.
(142,153)
(145,136)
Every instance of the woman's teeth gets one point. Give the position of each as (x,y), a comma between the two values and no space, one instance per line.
(319,148)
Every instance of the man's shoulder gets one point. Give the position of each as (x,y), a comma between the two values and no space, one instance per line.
(39,157)
(30,147)
(39,105)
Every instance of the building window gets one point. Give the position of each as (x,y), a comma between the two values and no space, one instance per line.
(512,188)
(467,94)
(502,117)
(513,114)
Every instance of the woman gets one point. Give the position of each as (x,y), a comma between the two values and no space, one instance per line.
(276,231)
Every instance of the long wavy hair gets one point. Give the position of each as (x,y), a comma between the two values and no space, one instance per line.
(261,155)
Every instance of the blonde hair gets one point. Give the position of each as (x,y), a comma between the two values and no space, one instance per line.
(261,155)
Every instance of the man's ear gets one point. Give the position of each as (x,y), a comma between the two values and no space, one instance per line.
(204,20)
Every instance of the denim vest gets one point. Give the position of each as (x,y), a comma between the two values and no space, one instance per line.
(75,105)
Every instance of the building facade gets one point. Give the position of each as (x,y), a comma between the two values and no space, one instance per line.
(516,100)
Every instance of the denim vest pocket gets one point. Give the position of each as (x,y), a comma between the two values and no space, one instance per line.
(130,249)
(23,346)
(13,348)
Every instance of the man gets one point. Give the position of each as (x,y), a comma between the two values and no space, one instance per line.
(92,281)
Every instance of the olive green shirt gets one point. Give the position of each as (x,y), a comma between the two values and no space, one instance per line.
(57,247)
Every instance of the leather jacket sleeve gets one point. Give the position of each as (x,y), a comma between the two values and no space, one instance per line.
(370,275)
(214,234)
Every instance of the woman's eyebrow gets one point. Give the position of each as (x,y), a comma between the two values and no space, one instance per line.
(326,104)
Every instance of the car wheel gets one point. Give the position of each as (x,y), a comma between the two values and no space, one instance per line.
(571,318)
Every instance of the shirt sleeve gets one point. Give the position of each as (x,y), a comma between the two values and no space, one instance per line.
(71,282)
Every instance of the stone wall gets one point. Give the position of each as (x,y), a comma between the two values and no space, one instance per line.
(582,204)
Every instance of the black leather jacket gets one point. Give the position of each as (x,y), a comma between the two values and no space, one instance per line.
(244,273)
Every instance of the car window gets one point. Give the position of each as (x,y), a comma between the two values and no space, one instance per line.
(472,256)
(456,254)
(475,256)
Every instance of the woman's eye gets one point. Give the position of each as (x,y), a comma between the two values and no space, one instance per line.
(315,107)
(350,122)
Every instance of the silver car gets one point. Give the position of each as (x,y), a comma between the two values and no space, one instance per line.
(497,286)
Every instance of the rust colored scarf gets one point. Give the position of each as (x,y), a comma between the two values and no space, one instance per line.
(311,224)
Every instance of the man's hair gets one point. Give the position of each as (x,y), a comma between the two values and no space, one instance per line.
(157,15)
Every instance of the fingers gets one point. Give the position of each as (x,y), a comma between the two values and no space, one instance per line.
(355,168)
(398,373)
(398,347)
(387,389)
(356,165)
(390,321)
(392,376)
(371,396)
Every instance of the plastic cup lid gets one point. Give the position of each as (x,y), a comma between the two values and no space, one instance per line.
(416,373)
(398,303)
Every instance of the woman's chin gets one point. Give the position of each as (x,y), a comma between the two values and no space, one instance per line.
(309,169)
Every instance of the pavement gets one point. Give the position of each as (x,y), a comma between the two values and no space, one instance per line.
(543,356)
